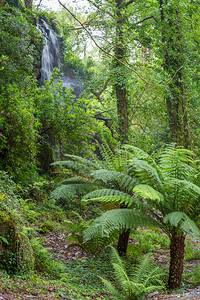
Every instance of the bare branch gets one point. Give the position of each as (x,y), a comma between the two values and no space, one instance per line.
(98,94)
(147,18)
(39,4)
(129,2)
(106,121)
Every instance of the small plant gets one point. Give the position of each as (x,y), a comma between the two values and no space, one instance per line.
(47,227)
(150,239)
(76,229)
(44,262)
(192,251)
(144,279)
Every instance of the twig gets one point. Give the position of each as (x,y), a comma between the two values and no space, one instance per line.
(113,56)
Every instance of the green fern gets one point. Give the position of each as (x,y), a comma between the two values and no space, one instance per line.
(117,219)
(144,279)
(183,222)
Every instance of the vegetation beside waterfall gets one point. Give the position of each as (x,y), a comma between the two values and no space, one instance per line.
(99,147)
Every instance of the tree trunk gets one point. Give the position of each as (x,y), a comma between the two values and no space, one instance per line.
(120,75)
(123,242)
(174,61)
(177,250)
(122,101)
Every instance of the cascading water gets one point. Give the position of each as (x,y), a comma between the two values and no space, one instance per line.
(50,54)
(51,59)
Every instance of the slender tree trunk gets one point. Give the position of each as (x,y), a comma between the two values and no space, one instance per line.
(173,52)
(177,250)
(120,76)
(122,102)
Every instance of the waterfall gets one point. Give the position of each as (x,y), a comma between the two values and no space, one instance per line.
(51,59)
(50,54)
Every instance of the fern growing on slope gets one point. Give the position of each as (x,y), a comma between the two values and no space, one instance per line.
(165,194)
(144,279)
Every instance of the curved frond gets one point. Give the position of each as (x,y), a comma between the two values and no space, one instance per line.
(139,154)
(121,181)
(145,173)
(147,192)
(181,220)
(112,196)
(70,190)
(177,162)
(112,290)
(117,219)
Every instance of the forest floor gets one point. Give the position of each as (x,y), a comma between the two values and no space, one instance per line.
(39,287)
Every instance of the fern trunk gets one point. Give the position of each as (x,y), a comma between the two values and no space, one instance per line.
(177,250)
(123,242)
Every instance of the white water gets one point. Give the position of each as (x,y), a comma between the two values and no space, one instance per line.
(51,59)
(50,54)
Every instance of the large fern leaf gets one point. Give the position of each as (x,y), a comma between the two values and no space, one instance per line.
(117,219)
(177,162)
(147,192)
(68,191)
(112,196)
(145,173)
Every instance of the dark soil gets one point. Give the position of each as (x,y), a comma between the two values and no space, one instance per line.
(63,251)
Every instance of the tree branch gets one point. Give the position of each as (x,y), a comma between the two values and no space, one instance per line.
(106,121)
(129,2)
(111,55)
(147,18)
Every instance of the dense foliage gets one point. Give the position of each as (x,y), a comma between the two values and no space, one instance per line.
(64,173)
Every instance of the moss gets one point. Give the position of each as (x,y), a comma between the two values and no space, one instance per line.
(4,218)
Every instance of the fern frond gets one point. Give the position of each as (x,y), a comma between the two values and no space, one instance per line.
(115,258)
(147,192)
(139,154)
(177,162)
(119,180)
(92,164)
(112,290)
(70,190)
(72,166)
(117,219)
(181,220)
(189,188)
(112,196)
(140,283)
(145,173)
(108,156)
(105,175)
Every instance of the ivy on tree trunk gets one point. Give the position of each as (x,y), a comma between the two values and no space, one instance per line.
(173,52)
